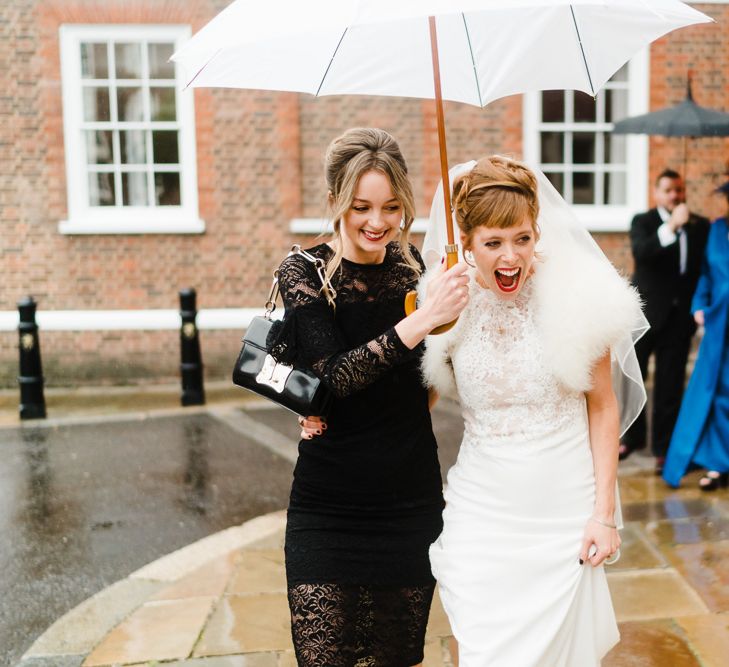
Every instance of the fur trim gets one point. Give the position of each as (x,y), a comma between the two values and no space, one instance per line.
(582,310)
(436,365)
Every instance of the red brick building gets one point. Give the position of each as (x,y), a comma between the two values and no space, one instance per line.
(117,188)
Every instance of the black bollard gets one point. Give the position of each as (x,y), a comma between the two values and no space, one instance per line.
(30,379)
(191,366)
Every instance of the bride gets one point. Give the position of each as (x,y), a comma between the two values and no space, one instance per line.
(540,359)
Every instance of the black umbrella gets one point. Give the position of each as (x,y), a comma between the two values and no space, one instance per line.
(686,119)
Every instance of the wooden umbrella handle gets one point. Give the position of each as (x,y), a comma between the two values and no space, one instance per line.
(411,298)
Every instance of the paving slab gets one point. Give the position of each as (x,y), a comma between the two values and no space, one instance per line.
(159,630)
(247,624)
(652,644)
(650,594)
(709,638)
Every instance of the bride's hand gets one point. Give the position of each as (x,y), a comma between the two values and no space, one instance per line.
(605,539)
(311,426)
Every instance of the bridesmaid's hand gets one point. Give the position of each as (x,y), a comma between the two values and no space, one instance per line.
(606,542)
(311,426)
(699,318)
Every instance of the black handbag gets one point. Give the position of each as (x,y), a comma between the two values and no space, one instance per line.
(296,389)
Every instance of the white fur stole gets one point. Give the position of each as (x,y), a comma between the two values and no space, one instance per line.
(582,310)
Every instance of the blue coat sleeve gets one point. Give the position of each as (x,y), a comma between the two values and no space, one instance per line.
(702,295)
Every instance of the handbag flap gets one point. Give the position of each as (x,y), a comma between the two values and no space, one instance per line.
(257,331)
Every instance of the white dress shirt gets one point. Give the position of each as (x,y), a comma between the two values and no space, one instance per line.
(666,236)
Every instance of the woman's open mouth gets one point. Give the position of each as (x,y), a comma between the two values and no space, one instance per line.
(507,279)
(371,236)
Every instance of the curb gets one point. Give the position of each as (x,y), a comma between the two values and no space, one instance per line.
(63,645)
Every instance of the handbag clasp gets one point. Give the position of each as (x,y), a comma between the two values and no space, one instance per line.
(274,374)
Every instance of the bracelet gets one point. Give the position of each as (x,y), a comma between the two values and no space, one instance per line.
(603,523)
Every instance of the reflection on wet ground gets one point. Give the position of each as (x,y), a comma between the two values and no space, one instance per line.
(85,505)
(88,504)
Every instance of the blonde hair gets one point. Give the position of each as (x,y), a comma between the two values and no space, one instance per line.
(498,192)
(357,151)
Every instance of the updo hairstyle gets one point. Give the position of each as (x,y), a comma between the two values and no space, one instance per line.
(498,192)
(357,151)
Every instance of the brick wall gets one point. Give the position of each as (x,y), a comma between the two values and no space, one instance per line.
(704,50)
(259,165)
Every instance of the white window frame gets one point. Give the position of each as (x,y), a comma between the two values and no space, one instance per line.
(86,219)
(607,218)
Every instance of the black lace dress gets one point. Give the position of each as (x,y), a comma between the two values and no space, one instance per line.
(366,498)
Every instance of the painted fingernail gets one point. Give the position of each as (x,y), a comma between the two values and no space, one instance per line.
(442,259)
(582,562)
(324,426)
(318,432)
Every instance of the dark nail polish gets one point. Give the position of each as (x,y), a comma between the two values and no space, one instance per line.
(318,432)
(582,562)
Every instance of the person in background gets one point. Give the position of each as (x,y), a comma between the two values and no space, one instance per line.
(668,245)
(701,436)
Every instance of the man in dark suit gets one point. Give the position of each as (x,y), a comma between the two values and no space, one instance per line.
(668,246)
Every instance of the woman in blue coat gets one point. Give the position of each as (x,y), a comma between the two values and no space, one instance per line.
(701,435)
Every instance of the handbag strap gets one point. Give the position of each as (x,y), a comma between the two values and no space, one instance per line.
(329,292)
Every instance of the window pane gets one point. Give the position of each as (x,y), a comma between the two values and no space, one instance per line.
(583,188)
(616,105)
(557,180)
(167,188)
(159,68)
(615,148)
(163,103)
(130,104)
(552,147)
(134,188)
(164,145)
(101,190)
(99,147)
(615,188)
(128,61)
(96,104)
(94,61)
(584,108)
(133,148)
(583,148)
(553,106)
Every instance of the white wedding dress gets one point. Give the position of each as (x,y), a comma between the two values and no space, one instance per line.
(518,499)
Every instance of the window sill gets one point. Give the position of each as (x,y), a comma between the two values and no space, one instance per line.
(159,226)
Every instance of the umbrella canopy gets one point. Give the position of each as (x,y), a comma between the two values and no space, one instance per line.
(487,48)
(471,51)
(686,119)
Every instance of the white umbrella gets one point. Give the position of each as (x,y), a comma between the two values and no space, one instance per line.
(472,51)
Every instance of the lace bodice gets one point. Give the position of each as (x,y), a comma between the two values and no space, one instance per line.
(313,334)
(507,392)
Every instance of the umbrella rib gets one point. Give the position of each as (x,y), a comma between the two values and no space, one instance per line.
(584,59)
(473,60)
(331,60)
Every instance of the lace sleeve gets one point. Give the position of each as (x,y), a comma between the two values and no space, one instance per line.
(308,335)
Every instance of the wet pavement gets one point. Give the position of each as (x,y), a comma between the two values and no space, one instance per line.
(85,505)
(89,501)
